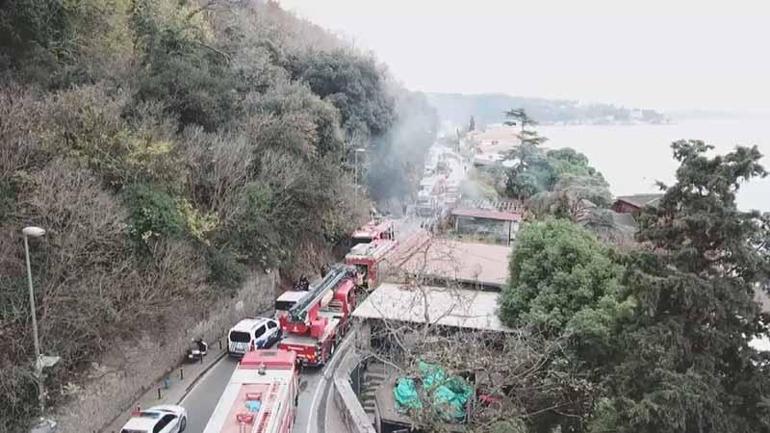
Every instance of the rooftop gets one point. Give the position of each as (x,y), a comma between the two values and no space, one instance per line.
(373,228)
(270,359)
(640,200)
(467,262)
(503,210)
(247,324)
(489,214)
(252,392)
(468,309)
(375,248)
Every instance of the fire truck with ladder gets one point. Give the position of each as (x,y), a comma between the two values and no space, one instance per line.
(383,255)
(313,322)
(374,230)
(368,258)
(261,396)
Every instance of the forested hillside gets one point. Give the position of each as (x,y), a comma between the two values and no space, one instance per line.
(168,146)
(490,108)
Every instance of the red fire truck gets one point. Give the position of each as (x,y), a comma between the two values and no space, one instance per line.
(373,230)
(373,261)
(313,322)
(367,259)
(261,396)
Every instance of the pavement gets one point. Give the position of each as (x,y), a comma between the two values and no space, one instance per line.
(202,384)
(180,382)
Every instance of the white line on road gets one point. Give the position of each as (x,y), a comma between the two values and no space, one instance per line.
(200,379)
(313,404)
(330,366)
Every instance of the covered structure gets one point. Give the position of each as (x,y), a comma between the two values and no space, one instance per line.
(634,203)
(449,307)
(468,264)
(392,306)
(496,220)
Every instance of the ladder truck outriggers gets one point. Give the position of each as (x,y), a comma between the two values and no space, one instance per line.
(261,396)
(313,322)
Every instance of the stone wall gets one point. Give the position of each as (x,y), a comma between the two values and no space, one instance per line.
(131,367)
(345,400)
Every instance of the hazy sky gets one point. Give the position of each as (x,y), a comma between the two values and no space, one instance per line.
(658,54)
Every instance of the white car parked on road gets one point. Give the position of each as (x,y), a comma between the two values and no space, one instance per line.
(157,419)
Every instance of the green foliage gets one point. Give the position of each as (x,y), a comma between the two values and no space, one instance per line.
(190,77)
(87,124)
(254,233)
(567,197)
(561,279)
(300,122)
(62,43)
(208,132)
(225,270)
(682,361)
(198,224)
(561,177)
(353,84)
(153,213)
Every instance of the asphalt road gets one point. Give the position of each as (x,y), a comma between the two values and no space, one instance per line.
(203,398)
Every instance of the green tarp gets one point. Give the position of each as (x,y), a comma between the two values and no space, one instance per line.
(448,395)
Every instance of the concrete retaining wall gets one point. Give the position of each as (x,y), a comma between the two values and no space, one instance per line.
(345,400)
(132,367)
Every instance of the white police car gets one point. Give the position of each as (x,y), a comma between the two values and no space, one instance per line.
(157,419)
(250,334)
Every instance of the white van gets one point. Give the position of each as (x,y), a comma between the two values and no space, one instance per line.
(251,334)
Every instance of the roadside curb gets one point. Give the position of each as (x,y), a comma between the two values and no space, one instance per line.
(199,376)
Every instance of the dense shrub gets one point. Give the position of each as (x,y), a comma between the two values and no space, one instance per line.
(153,213)
(225,271)
(561,279)
(216,138)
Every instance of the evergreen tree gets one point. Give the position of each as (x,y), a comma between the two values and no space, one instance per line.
(684,363)
(518,116)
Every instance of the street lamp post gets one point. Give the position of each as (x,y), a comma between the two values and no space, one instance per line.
(36,232)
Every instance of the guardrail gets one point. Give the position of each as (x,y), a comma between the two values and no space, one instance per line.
(345,400)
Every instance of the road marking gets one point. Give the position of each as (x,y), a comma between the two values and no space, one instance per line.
(330,366)
(200,379)
(311,412)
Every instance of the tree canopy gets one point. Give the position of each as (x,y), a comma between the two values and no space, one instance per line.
(562,279)
(683,361)
(198,139)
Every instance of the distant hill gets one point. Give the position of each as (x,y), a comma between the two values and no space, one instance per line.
(488,108)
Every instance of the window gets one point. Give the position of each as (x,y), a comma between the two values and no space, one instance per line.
(271,324)
(259,332)
(163,423)
(283,305)
(240,337)
(361,240)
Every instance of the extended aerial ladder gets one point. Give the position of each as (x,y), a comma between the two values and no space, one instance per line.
(319,318)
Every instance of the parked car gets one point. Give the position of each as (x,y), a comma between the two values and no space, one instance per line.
(250,334)
(157,419)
